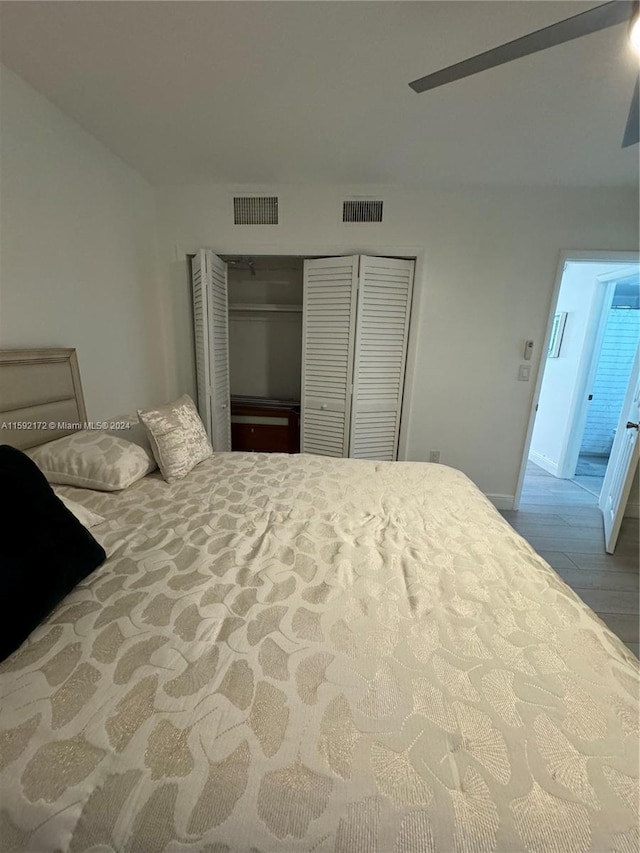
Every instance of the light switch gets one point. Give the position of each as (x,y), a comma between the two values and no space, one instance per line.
(524,373)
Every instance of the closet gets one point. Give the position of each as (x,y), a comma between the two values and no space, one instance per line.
(265,351)
(353,330)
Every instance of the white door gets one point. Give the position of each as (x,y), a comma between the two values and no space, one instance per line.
(382,328)
(200,293)
(623,461)
(211,321)
(328,325)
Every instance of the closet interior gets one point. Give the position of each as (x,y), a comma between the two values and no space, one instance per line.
(265,351)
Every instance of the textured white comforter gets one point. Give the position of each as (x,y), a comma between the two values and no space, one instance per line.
(292,653)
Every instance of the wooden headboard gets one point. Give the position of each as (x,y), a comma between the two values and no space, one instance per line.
(40,396)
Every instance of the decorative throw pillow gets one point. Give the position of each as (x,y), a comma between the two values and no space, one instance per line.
(44,550)
(177,436)
(93,460)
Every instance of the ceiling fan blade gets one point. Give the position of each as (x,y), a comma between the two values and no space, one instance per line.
(587,22)
(632,130)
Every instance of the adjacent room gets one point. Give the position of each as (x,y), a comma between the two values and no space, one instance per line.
(577,454)
(302,548)
(587,371)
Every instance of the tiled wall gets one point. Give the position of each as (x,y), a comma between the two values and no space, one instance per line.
(612,377)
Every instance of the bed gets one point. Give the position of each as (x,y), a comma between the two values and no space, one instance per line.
(298,653)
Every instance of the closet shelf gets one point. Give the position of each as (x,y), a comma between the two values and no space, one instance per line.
(239,306)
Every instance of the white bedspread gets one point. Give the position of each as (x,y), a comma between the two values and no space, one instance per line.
(292,653)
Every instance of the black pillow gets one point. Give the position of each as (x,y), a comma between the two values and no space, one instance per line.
(44,550)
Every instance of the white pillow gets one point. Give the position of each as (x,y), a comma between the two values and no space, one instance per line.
(85,516)
(131,429)
(92,460)
(177,437)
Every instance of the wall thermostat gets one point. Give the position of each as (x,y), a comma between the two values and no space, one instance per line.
(528,350)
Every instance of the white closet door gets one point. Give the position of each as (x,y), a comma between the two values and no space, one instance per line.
(328,331)
(382,326)
(219,353)
(211,317)
(200,293)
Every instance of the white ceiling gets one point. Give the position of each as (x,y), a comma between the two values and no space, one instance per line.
(284,92)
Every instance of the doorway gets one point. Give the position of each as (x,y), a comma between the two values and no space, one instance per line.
(592,337)
(613,356)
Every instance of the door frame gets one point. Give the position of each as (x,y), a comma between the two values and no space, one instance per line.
(565,256)
(311,250)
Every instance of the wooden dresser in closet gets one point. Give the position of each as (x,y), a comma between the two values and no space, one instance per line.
(265,425)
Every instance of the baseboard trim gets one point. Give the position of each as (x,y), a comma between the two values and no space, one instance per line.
(632,511)
(543,462)
(502,501)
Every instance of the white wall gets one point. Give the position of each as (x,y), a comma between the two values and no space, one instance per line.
(78,264)
(484,281)
(581,297)
(265,355)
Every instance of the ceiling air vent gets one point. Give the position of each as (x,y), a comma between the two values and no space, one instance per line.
(255,210)
(362,211)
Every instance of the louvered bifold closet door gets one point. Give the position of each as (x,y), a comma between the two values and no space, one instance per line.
(328,332)
(219,350)
(212,346)
(382,327)
(200,291)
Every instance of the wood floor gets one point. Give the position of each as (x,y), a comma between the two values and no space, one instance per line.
(563,523)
